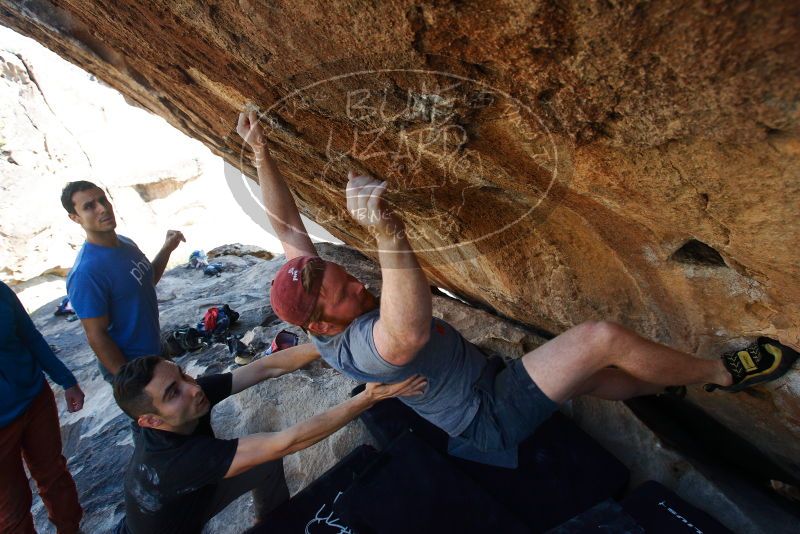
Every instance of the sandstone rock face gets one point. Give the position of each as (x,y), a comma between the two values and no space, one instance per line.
(557,161)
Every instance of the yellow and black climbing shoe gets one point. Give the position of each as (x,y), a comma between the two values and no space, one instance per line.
(764,360)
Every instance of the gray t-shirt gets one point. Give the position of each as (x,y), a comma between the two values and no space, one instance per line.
(450,363)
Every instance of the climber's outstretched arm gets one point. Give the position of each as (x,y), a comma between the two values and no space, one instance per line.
(272,366)
(281,208)
(404,326)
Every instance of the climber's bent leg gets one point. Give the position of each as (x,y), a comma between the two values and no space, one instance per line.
(615,384)
(563,365)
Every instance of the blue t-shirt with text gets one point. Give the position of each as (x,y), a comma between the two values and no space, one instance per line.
(118,282)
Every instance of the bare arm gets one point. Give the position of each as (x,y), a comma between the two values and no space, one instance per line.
(103,346)
(281,208)
(257,449)
(159,263)
(405,318)
(406,310)
(273,366)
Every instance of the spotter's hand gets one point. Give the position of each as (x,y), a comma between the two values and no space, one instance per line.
(413,385)
(172,240)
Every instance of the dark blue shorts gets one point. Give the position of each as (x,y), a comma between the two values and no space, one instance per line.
(512,407)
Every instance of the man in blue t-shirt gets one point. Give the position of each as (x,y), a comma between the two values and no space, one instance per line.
(485,406)
(112,284)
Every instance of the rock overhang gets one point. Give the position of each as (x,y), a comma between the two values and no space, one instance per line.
(632,162)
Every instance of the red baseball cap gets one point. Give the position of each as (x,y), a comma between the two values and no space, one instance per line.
(292,298)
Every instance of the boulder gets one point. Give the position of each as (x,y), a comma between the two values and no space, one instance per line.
(237,249)
(555,161)
(569,161)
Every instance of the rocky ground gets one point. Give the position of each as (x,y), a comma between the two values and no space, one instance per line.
(98,444)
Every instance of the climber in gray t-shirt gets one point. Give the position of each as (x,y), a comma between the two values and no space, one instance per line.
(489,406)
(451,364)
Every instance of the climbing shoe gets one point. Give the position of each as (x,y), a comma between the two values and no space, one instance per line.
(170,346)
(763,361)
(242,353)
(187,338)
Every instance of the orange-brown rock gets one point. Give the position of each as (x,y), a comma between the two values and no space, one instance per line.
(558,160)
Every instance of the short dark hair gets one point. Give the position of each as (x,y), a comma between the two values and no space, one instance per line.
(129,384)
(72,188)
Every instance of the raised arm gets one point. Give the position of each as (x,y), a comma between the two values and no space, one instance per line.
(273,366)
(159,263)
(257,449)
(281,208)
(405,318)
